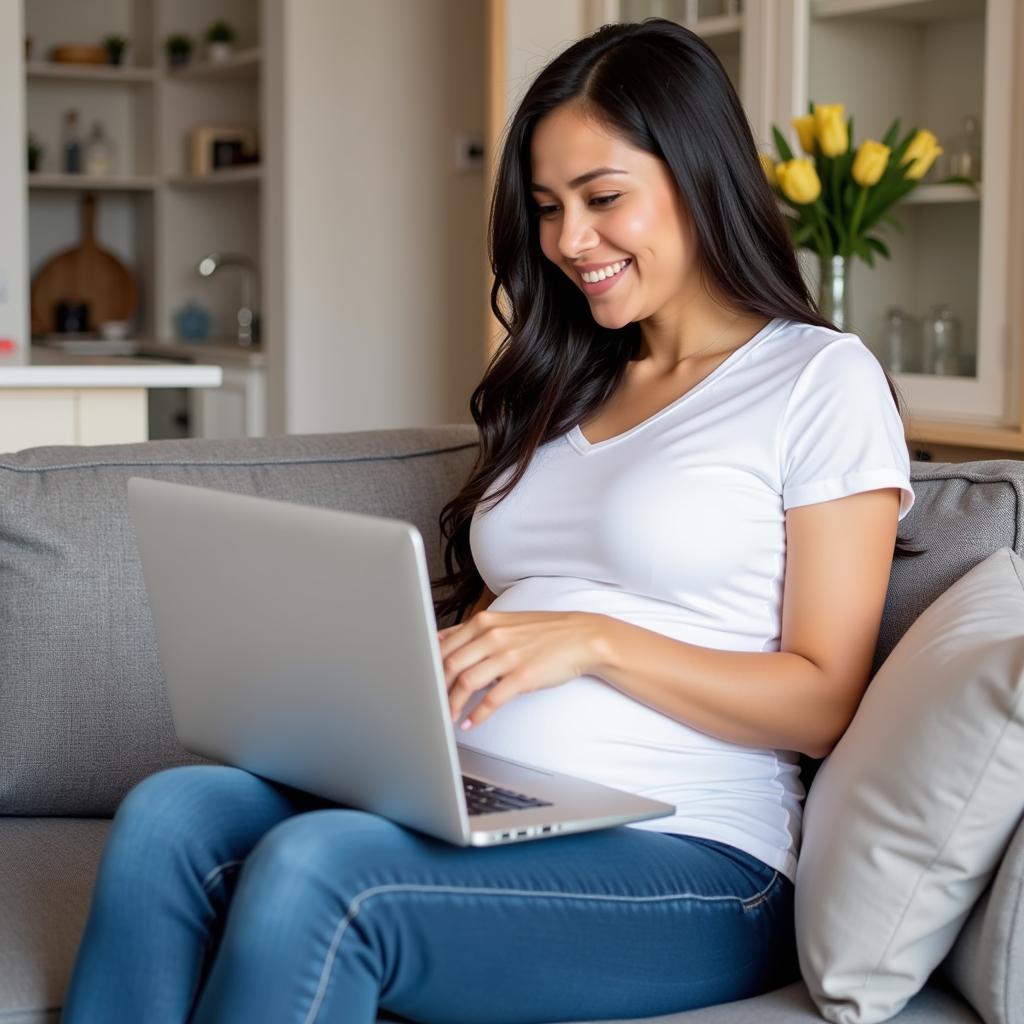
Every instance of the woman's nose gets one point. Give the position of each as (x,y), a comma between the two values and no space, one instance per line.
(577,235)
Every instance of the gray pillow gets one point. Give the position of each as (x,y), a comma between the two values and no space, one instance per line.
(987,962)
(909,816)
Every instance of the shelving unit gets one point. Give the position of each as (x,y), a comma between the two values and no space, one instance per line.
(153,213)
(932,62)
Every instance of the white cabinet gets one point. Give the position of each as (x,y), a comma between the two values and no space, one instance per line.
(235,409)
(931,63)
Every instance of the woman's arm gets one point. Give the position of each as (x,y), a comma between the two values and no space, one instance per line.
(839,554)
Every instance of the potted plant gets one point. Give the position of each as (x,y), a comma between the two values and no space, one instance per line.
(839,195)
(220,38)
(115,46)
(35,153)
(179,48)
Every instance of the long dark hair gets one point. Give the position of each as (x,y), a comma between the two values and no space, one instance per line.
(659,87)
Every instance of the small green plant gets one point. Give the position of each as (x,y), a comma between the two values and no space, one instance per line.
(178,47)
(220,32)
(115,46)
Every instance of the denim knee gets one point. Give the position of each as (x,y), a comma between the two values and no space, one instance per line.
(340,844)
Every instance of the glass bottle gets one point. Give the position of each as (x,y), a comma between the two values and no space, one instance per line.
(99,153)
(963,157)
(71,144)
(942,342)
(900,344)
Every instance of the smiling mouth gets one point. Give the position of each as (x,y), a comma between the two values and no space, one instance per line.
(612,270)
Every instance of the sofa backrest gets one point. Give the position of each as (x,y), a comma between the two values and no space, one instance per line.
(83,714)
(962,513)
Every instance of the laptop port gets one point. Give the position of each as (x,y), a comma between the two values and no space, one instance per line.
(521,832)
(546,828)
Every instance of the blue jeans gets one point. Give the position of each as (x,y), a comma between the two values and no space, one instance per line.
(223,898)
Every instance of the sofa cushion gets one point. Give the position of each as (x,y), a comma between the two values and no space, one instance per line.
(962,513)
(987,962)
(793,1005)
(910,815)
(47,869)
(83,713)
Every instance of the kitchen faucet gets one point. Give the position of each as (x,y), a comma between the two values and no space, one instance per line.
(246,318)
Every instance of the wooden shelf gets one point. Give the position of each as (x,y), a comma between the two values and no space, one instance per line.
(85,183)
(943,194)
(89,72)
(241,67)
(226,176)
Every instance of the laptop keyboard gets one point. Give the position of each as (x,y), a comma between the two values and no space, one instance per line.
(483,798)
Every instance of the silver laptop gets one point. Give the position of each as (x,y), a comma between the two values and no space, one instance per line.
(300,643)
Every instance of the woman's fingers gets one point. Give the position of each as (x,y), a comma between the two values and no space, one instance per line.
(478,676)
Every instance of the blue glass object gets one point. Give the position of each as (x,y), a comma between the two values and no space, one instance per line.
(192,322)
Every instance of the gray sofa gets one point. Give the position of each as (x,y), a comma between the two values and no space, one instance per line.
(83,715)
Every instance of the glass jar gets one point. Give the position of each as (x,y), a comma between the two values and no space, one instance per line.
(99,153)
(963,153)
(942,342)
(901,342)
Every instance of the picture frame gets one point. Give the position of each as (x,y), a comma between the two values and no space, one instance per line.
(215,147)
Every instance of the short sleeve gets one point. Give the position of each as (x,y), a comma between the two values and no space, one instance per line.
(841,432)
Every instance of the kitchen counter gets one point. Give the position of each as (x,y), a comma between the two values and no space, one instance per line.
(51,368)
(76,399)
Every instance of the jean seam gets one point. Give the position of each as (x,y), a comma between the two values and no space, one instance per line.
(746,903)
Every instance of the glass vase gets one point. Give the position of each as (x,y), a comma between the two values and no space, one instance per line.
(834,291)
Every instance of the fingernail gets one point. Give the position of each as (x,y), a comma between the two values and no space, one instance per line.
(466,725)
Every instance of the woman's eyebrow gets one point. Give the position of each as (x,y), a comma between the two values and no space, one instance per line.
(581,180)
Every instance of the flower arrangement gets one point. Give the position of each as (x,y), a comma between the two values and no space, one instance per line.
(839,195)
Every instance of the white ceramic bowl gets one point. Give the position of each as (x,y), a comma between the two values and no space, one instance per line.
(114,330)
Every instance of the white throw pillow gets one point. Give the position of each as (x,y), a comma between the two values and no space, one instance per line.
(909,816)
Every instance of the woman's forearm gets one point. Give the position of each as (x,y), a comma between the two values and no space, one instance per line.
(776,700)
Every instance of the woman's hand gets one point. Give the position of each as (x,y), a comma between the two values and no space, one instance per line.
(518,652)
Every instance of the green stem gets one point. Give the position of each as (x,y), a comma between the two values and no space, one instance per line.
(817,212)
(858,211)
(837,206)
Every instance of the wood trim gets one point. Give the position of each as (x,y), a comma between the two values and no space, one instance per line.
(495,113)
(934,432)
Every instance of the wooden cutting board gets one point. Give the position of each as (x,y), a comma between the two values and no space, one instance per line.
(84,273)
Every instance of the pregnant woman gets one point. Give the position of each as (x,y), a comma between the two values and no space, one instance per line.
(666,572)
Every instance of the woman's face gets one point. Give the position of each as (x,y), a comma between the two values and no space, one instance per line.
(629,213)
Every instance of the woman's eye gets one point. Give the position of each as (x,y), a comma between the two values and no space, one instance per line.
(544,211)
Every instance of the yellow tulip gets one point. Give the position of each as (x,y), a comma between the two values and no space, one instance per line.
(870,162)
(805,132)
(768,166)
(921,154)
(830,128)
(799,180)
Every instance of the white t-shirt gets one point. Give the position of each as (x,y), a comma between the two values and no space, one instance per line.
(678,526)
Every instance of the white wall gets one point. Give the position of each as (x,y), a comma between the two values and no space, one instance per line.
(13,245)
(377,259)
(536,31)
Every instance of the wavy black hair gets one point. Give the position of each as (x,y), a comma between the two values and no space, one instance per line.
(659,87)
